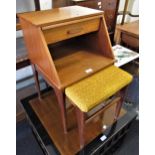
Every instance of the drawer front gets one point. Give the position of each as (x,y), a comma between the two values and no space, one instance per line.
(130,40)
(60,33)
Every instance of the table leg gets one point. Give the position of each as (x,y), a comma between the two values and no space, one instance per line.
(36,78)
(61,101)
(118,37)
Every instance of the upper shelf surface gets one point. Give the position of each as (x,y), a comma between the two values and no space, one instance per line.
(58,15)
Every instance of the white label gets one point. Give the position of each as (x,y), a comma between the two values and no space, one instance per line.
(103,138)
(89,70)
(99,3)
(104,127)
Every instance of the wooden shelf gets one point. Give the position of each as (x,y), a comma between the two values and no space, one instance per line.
(73,60)
(74,67)
(59,15)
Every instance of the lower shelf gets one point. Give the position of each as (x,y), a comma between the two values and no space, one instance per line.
(44,118)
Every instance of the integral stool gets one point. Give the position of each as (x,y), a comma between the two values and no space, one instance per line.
(90,92)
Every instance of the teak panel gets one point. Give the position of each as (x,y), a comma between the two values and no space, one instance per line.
(75,66)
(71,30)
(38,51)
(100,41)
(59,15)
(48,113)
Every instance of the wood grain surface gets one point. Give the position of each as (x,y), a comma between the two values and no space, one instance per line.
(59,15)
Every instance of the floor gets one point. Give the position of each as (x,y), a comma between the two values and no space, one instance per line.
(25,88)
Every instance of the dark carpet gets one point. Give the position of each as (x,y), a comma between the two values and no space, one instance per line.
(130,144)
(26,143)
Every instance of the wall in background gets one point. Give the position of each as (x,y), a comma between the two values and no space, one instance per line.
(45,4)
(133,7)
(24,6)
(28,5)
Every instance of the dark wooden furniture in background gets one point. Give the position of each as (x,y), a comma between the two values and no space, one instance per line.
(59,3)
(110,8)
(60,62)
(128,34)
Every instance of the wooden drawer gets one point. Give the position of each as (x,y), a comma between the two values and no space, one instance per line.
(130,40)
(60,33)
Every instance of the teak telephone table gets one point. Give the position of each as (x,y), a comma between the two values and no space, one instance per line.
(66,45)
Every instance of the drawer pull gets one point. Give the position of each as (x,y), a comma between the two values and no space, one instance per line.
(56,34)
(74,31)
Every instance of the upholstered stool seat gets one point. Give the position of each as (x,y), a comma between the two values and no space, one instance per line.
(88,93)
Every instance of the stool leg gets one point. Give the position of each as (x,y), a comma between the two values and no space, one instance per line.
(36,79)
(118,109)
(120,103)
(62,105)
(80,120)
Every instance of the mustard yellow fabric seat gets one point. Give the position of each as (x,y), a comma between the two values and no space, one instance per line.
(91,91)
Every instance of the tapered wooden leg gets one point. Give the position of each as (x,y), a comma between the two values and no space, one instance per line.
(80,119)
(118,109)
(120,103)
(36,78)
(62,105)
